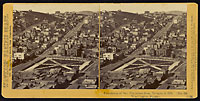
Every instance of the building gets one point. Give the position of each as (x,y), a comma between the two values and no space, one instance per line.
(179,82)
(89,81)
(144,71)
(150,52)
(71,52)
(19,56)
(108,56)
(86,21)
(146,12)
(163,52)
(175,21)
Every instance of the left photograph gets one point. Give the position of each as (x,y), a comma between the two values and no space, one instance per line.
(55,46)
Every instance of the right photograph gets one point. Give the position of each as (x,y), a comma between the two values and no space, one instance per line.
(143,46)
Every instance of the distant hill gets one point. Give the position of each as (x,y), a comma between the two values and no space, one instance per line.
(42,16)
(175,12)
(29,18)
(119,16)
(85,12)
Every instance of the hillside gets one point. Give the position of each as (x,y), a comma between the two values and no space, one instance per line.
(175,12)
(85,12)
(119,16)
(43,16)
(29,18)
(122,18)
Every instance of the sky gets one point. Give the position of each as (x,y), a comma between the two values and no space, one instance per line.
(51,8)
(128,7)
(140,8)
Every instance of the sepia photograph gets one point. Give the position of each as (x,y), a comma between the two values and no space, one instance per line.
(100,50)
(106,46)
(55,46)
(143,46)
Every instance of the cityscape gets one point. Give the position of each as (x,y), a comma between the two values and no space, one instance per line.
(99,50)
(147,52)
